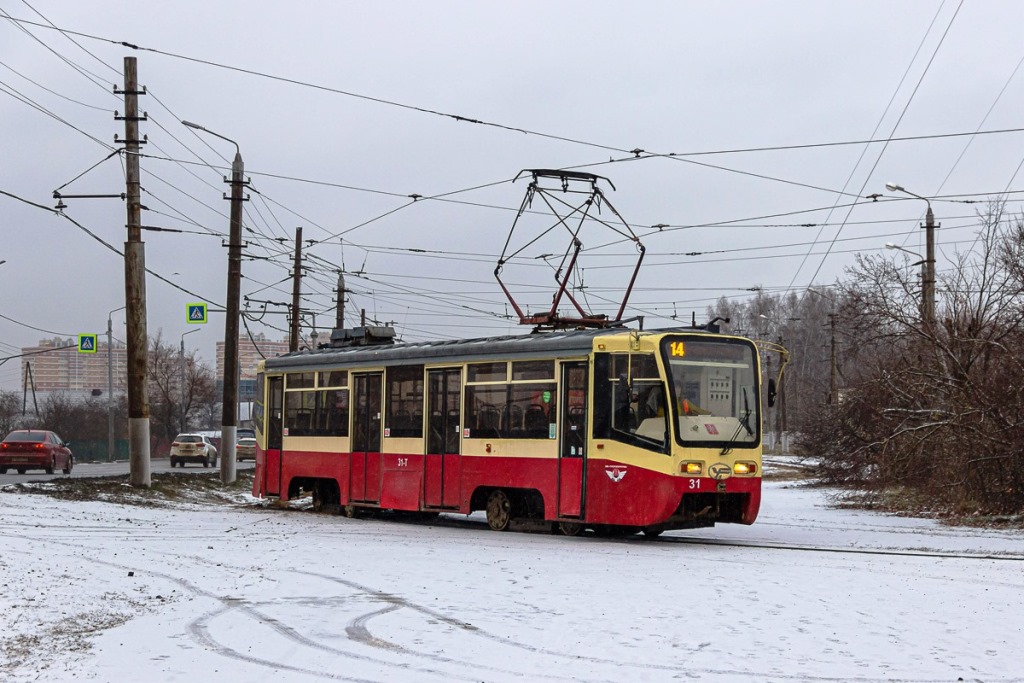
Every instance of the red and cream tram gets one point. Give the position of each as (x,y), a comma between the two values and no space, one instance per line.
(611,429)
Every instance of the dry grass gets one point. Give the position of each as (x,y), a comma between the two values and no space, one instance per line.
(910,503)
(166,490)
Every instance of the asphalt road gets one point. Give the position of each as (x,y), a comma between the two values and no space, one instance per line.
(106,469)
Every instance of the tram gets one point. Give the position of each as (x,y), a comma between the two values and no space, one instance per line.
(609,429)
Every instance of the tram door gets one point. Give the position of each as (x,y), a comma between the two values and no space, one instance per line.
(444,420)
(366,437)
(572,455)
(275,429)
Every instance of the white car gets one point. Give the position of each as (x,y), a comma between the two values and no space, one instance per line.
(193,448)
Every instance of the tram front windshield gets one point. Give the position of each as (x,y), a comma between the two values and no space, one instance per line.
(715,389)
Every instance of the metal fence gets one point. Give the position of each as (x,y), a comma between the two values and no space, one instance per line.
(95,450)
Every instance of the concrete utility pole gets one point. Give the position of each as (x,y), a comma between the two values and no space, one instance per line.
(928,289)
(293,339)
(135,289)
(928,269)
(229,416)
(229,419)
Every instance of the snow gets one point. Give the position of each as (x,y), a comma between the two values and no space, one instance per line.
(105,592)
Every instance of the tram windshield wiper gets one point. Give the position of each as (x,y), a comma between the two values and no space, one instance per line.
(745,420)
(744,423)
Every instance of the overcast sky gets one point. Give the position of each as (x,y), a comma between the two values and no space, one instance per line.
(342,110)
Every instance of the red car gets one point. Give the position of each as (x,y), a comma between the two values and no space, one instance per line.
(35,449)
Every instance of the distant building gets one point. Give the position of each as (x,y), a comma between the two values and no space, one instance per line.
(66,370)
(250,352)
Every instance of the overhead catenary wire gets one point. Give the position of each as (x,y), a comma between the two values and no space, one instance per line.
(282,252)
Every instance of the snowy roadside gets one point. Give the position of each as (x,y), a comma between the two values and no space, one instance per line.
(191,586)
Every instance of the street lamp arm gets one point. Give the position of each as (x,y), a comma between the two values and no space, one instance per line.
(927,262)
(890,245)
(893,187)
(196,126)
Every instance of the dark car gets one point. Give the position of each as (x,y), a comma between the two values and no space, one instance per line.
(35,449)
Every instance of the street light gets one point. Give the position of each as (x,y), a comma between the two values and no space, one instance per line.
(181,362)
(229,419)
(928,277)
(110,383)
(890,245)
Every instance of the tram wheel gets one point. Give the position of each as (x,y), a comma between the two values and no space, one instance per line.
(350,511)
(570,528)
(499,511)
(653,531)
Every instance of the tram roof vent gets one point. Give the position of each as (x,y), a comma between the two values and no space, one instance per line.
(370,335)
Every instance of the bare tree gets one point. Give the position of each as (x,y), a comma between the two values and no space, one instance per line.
(169,413)
(10,411)
(935,409)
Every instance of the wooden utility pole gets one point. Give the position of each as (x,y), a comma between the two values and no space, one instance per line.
(833,382)
(293,340)
(135,288)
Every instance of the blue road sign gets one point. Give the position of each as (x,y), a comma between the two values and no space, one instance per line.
(87,343)
(195,314)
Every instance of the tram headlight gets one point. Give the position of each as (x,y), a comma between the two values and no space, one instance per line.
(743,467)
(691,468)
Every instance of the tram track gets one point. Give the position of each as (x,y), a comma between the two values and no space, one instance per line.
(683,540)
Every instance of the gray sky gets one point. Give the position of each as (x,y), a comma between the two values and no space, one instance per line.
(587,81)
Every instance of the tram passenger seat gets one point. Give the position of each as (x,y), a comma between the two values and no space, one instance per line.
(536,419)
(511,418)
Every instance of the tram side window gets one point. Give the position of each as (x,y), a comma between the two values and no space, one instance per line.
(332,378)
(299,380)
(629,400)
(332,413)
(484,406)
(404,410)
(258,404)
(299,410)
(520,408)
(537,402)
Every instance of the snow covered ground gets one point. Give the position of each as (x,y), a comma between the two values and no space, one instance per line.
(104,592)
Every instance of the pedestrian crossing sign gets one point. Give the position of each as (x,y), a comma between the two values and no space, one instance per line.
(87,343)
(195,314)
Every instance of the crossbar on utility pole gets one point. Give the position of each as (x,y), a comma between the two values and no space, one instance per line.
(135,290)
